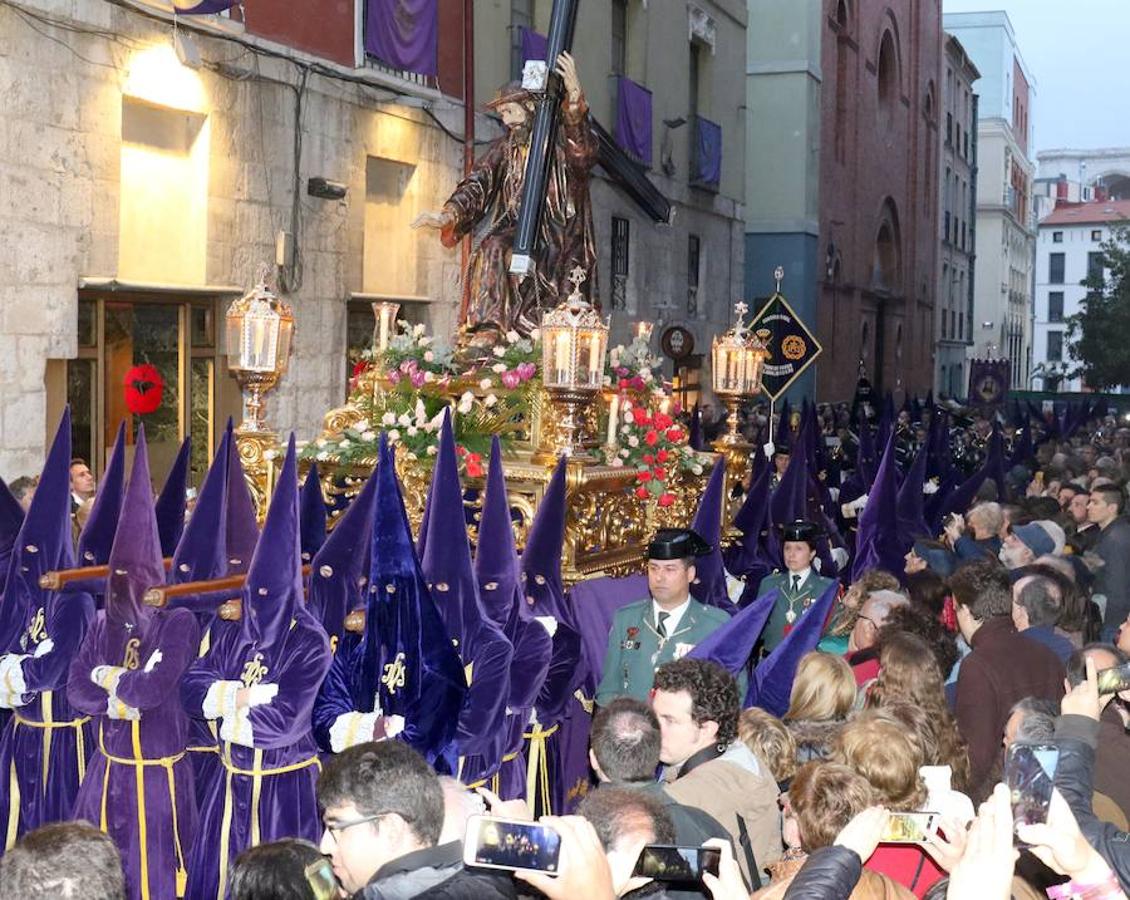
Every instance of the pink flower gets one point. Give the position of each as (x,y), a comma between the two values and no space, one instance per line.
(637,383)
(526,370)
(418,378)
(394,377)
(621,371)
(510,380)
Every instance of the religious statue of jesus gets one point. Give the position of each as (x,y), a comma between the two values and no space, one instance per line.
(499,301)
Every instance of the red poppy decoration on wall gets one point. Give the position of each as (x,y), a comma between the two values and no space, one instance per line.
(144,388)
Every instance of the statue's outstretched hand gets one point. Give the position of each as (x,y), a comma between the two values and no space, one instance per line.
(432,219)
(567,68)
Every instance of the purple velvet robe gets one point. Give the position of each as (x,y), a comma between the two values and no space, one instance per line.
(533,648)
(46,745)
(149,810)
(230,820)
(335,696)
(490,659)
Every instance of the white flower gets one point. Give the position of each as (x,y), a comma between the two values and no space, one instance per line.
(323,456)
(413,431)
(535,335)
(463,408)
(404,419)
(436,421)
(633,441)
(432,450)
(419,330)
(628,417)
(270,454)
(429,376)
(345,442)
(467,397)
(499,350)
(617,462)
(368,436)
(645,373)
(625,429)
(624,453)
(429,356)
(498,368)
(320,442)
(421,412)
(363,425)
(614,357)
(411,455)
(697,470)
(393,436)
(490,401)
(607,380)
(485,383)
(512,336)
(389,418)
(425,341)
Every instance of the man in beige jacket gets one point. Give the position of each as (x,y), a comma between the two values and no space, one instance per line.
(697,705)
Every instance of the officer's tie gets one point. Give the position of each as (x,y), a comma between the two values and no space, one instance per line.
(796,583)
(661,624)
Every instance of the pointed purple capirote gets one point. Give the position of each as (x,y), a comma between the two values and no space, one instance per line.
(694,437)
(405,635)
(789,500)
(911,501)
(710,576)
(337,567)
(312,515)
(272,595)
(11,520)
(731,644)
(242,523)
(541,557)
(98,532)
(866,459)
(878,544)
(496,557)
(43,543)
(135,558)
(172,500)
(201,552)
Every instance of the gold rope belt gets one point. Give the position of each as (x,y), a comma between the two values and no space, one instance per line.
(537,767)
(256,773)
(47,726)
(139,764)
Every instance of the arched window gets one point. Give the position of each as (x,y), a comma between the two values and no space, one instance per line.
(888,77)
(886,269)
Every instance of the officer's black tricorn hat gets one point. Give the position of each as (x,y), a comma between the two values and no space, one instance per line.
(677,543)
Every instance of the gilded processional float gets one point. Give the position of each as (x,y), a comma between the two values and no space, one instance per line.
(530,362)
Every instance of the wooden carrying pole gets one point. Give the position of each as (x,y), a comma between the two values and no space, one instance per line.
(57,580)
(223,589)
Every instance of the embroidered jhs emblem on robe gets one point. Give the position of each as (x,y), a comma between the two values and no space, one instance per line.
(254,671)
(37,630)
(132,656)
(395,675)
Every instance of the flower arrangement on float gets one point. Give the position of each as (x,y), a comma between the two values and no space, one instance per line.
(404,389)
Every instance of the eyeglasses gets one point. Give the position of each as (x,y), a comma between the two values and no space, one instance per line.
(335,829)
(869,621)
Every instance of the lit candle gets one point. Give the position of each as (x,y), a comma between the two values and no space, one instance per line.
(613,420)
(563,363)
(383,345)
(665,405)
(594,360)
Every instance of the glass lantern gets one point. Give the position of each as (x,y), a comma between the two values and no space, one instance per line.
(259,332)
(738,360)
(384,328)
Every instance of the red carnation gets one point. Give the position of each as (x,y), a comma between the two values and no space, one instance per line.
(641,492)
(651,438)
(662,420)
(662,456)
(660,473)
(674,435)
(474,469)
(648,458)
(666,499)
(643,475)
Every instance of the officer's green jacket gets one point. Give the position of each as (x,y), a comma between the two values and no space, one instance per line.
(810,591)
(635,649)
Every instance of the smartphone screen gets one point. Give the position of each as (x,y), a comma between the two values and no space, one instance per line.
(505,844)
(1029,771)
(665,862)
(1111,681)
(909,828)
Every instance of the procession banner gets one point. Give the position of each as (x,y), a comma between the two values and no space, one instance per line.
(989,381)
(792,347)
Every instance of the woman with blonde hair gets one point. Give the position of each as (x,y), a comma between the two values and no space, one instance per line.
(823,695)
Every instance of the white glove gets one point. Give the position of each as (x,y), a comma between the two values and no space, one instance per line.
(115,709)
(43,648)
(840,557)
(261,694)
(768,448)
(393,726)
(549,623)
(106,677)
(151,663)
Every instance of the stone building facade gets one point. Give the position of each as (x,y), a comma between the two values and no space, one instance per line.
(140,195)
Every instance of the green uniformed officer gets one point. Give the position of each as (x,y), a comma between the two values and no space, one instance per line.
(799,585)
(663,627)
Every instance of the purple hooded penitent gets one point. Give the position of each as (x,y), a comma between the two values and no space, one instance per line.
(98,533)
(171,502)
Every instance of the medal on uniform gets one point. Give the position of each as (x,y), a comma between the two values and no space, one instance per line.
(790,617)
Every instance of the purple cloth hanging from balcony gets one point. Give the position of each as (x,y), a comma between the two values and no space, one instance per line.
(533,44)
(403,34)
(633,120)
(202,7)
(708,152)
